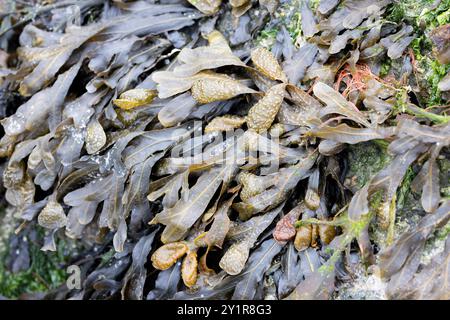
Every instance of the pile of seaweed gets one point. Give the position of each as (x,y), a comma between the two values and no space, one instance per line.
(202,149)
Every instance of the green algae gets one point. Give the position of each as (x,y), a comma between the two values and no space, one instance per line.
(364,161)
(287,15)
(424,18)
(46,272)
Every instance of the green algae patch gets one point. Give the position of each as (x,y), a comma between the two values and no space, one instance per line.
(424,16)
(364,161)
(46,272)
(288,15)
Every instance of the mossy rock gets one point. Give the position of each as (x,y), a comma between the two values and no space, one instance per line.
(364,161)
(38,271)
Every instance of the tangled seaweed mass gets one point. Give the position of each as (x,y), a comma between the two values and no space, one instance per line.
(205,149)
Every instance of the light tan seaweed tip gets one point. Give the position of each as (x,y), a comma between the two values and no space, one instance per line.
(267,64)
(262,114)
(52,216)
(135,98)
